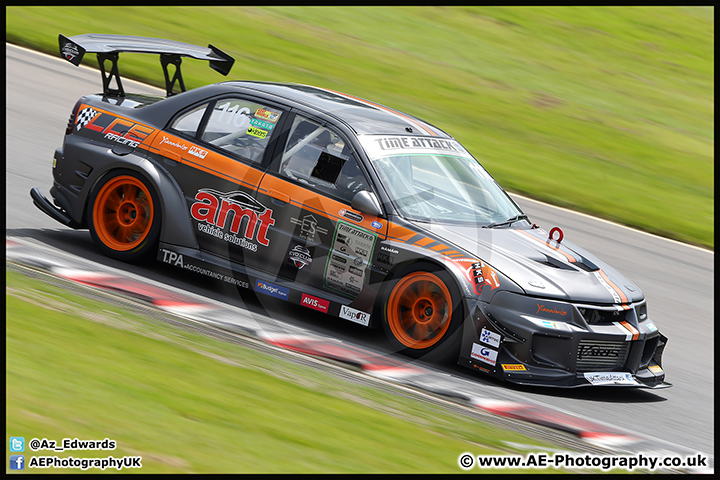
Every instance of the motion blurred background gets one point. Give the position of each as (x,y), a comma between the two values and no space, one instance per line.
(605,110)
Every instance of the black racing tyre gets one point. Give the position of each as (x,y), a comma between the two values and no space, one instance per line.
(422,312)
(124,216)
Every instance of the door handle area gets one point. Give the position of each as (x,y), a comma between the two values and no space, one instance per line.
(279,198)
(171,155)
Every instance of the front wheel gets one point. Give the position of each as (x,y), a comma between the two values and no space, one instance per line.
(124,216)
(422,312)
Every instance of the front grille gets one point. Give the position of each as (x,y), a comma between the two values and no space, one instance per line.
(601,356)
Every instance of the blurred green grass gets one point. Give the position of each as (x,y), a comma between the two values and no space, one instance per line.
(606,110)
(79,367)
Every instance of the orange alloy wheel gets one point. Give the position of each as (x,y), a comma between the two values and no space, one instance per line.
(419,310)
(123,213)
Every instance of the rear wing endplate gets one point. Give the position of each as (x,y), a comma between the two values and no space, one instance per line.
(108,47)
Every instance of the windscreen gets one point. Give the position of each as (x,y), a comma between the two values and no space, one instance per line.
(440,185)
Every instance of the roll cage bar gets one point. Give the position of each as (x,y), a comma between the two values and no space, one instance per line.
(108,47)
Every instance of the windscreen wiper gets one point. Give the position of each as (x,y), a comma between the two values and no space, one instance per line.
(509,221)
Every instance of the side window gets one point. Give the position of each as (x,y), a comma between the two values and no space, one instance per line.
(319,157)
(189,122)
(241,127)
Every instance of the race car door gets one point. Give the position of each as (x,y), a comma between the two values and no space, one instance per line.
(318,238)
(218,149)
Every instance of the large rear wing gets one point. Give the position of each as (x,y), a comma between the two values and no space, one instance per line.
(108,47)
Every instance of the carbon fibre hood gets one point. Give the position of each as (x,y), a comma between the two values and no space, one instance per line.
(540,267)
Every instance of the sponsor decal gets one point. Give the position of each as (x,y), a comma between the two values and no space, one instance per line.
(491,338)
(198,152)
(352,248)
(315,303)
(610,378)
(547,324)
(481,275)
(261,124)
(172,258)
(335,272)
(191,149)
(381,145)
(177,260)
(173,143)
(257,132)
(389,250)
(585,351)
(385,258)
(267,115)
(355,217)
(542,308)
(655,369)
(483,354)
(70,51)
(113,128)
(271,289)
(513,367)
(300,256)
(214,210)
(651,326)
(308,227)
(353,315)
(376,224)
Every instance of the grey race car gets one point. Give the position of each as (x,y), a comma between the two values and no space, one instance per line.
(345,207)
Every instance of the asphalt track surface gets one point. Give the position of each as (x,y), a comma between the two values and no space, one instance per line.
(677,279)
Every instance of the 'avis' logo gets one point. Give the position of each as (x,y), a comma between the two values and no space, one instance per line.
(213,207)
(315,303)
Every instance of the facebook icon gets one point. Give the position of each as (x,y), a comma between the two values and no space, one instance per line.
(17,462)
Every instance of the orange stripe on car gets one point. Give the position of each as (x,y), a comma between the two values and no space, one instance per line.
(633,330)
(178,149)
(400,233)
(547,244)
(623,298)
(321,205)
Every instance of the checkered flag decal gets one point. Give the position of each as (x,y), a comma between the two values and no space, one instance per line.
(85,116)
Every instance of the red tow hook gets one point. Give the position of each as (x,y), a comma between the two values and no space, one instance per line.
(551,235)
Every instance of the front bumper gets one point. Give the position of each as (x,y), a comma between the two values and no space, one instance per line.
(534,341)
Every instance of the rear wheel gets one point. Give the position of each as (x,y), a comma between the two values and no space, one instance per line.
(124,216)
(422,312)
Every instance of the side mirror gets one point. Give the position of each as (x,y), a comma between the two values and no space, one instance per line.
(367,202)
